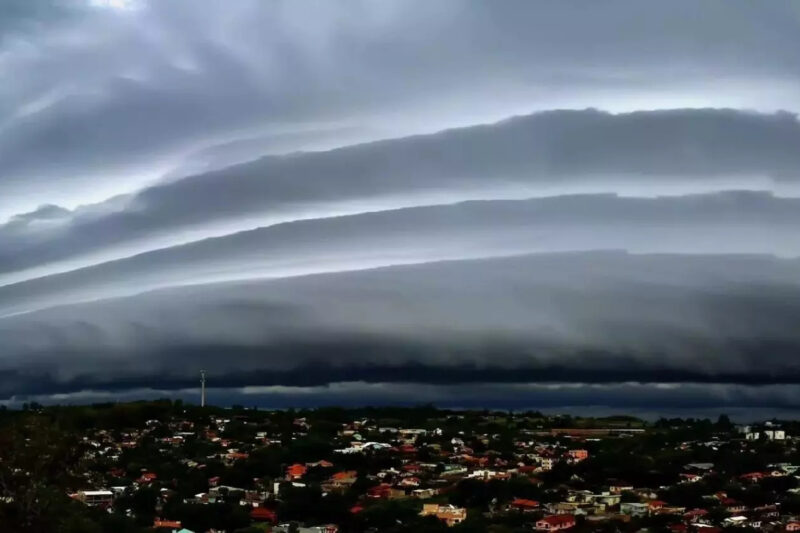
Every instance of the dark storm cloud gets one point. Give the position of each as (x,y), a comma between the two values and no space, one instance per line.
(599,317)
(744,403)
(554,149)
(179,145)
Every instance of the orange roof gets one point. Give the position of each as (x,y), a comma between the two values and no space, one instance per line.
(166,523)
(347,474)
(522,502)
(296,470)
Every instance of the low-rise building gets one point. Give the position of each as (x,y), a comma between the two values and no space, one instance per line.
(449,514)
(95,498)
(555,522)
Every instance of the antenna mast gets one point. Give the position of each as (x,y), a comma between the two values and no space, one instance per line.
(202,388)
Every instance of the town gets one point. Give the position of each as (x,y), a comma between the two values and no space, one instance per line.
(168,467)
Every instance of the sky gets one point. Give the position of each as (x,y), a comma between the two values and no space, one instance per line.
(564,205)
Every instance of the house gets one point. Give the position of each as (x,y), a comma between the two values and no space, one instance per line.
(699,466)
(775,434)
(147,477)
(166,524)
(94,498)
(413,468)
(424,493)
(656,504)
(527,470)
(566,508)
(668,509)
(523,505)
(320,464)
(555,522)
(344,479)
(285,528)
(737,520)
(619,489)
(384,491)
(449,514)
(295,471)
(634,509)
(694,515)
(262,514)
(578,455)
(379,492)
(235,456)
(733,506)
(409,482)
(752,477)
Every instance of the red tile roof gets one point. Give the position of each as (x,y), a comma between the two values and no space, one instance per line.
(524,504)
(558,519)
(296,470)
(347,474)
(263,514)
(166,523)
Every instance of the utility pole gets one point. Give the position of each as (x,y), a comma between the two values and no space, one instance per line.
(202,388)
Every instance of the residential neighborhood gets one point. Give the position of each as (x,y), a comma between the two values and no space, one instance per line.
(166,467)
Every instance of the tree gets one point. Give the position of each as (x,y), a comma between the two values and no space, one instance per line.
(724,423)
(38,464)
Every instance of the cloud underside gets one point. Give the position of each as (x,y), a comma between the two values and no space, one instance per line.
(743,403)
(587,317)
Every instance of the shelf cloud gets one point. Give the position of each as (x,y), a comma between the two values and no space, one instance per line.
(436,197)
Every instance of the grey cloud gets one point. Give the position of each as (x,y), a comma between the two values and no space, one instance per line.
(562,148)
(46,212)
(593,314)
(112,92)
(21,16)
(761,224)
(223,152)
